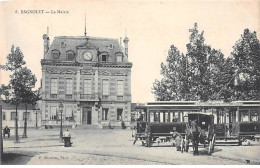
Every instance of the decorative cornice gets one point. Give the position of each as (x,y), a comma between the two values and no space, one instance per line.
(93,64)
(53,71)
(87,72)
(105,73)
(69,72)
(119,74)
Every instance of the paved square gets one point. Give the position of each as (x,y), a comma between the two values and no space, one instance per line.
(113,146)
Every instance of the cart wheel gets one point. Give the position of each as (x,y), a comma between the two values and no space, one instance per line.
(210,148)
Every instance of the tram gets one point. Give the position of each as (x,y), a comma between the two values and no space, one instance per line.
(234,120)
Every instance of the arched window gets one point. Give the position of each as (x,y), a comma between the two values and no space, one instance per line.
(119,57)
(55,54)
(70,55)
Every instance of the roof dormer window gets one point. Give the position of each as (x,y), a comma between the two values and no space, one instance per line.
(55,54)
(111,46)
(62,44)
(70,55)
(119,57)
(104,57)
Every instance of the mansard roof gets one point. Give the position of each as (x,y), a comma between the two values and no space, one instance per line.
(80,42)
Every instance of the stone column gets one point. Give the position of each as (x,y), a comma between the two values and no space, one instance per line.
(94,120)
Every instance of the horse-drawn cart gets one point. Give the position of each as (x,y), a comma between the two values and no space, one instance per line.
(196,128)
(199,130)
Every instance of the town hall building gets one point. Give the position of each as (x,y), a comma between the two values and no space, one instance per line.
(90,76)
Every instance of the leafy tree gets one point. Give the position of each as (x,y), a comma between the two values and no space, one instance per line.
(26,82)
(170,87)
(246,59)
(194,76)
(19,89)
(14,64)
(226,81)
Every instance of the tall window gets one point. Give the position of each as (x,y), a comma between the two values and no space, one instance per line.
(105,87)
(119,114)
(54,113)
(12,115)
(54,87)
(104,114)
(27,115)
(4,116)
(69,86)
(69,113)
(120,87)
(87,86)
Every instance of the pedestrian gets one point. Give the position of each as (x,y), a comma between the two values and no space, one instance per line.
(6,130)
(67,137)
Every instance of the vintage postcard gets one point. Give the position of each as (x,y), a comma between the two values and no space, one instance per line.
(130,82)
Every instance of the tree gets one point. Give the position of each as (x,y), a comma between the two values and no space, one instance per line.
(194,76)
(12,91)
(174,75)
(26,83)
(246,59)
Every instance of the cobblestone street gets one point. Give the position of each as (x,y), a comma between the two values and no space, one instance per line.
(101,146)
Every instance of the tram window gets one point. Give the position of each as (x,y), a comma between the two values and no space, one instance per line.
(244,116)
(185,119)
(151,117)
(161,117)
(156,117)
(254,115)
(166,117)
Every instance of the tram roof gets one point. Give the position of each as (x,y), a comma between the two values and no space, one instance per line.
(203,104)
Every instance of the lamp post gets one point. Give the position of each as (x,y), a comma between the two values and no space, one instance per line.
(61,110)
(36,117)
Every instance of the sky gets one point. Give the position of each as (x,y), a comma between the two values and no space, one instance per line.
(151,25)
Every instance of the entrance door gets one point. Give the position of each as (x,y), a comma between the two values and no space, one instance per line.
(89,118)
(86,115)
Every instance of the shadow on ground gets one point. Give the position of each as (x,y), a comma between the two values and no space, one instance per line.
(15,159)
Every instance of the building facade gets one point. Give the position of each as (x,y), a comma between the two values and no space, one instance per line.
(9,112)
(92,78)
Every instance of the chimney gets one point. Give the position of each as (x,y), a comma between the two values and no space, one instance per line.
(46,41)
(126,40)
(120,41)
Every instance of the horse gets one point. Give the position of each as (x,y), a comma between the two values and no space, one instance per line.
(194,134)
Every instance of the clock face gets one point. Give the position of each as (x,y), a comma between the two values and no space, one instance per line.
(87,56)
